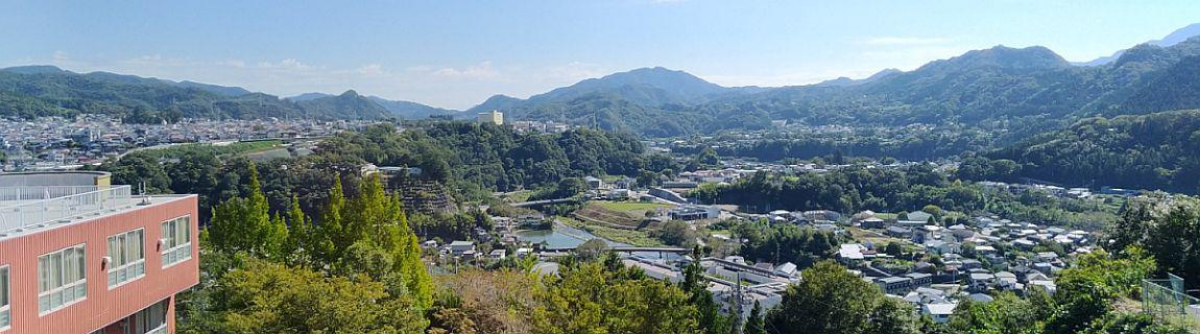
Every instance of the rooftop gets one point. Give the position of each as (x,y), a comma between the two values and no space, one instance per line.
(31,209)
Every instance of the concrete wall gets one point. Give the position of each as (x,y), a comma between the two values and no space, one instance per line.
(48,179)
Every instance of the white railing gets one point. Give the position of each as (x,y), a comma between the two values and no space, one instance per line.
(40,193)
(30,214)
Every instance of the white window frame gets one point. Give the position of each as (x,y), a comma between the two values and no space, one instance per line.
(138,266)
(6,291)
(170,236)
(63,268)
(155,315)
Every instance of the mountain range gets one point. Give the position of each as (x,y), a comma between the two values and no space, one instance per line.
(1171,39)
(32,91)
(1013,91)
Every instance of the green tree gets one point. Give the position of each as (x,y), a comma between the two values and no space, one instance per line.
(832,300)
(267,297)
(300,233)
(246,225)
(590,298)
(756,324)
(1086,292)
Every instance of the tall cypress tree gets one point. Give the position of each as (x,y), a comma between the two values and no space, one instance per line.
(329,242)
(299,244)
(756,324)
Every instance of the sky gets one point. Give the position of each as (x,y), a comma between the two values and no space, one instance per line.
(455,54)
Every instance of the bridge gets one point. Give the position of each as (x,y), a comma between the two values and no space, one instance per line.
(544,202)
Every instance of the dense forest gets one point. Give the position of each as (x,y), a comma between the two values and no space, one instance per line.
(916,187)
(908,143)
(476,159)
(494,158)
(36,91)
(1155,151)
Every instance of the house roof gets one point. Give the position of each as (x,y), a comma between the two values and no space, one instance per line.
(940,309)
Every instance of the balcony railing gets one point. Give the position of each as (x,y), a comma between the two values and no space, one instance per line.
(26,210)
(40,193)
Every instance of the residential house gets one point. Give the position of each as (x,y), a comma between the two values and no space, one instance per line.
(896,285)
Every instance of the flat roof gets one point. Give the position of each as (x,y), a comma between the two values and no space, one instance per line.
(17,221)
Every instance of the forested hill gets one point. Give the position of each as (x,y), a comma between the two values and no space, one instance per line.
(34,91)
(1026,90)
(1022,91)
(1155,151)
(655,102)
(1015,92)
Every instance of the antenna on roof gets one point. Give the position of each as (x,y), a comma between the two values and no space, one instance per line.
(142,192)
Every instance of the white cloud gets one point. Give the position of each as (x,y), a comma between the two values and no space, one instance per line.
(60,56)
(286,64)
(885,41)
(371,69)
(232,63)
(482,70)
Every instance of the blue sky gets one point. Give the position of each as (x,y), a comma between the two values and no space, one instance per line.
(457,53)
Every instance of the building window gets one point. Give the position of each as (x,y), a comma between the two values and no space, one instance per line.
(5,313)
(127,257)
(62,279)
(177,240)
(152,320)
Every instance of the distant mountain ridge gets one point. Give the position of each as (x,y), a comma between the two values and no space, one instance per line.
(846,81)
(308,96)
(1175,37)
(410,110)
(132,79)
(650,101)
(1011,91)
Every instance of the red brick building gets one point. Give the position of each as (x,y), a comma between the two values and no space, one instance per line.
(78,255)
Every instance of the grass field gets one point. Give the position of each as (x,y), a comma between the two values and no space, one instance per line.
(269,154)
(179,151)
(632,237)
(630,206)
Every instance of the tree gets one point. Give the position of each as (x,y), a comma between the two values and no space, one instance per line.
(708,157)
(1006,314)
(591,249)
(246,225)
(756,324)
(675,232)
(451,321)
(1086,292)
(331,235)
(590,298)
(266,297)
(892,316)
(1171,237)
(893,249)
(832,300)
(300,233)
(139,170)
(709,317)
(646,179)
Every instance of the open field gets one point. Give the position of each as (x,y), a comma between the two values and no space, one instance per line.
(247,147)
(630,206)
(632,237)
